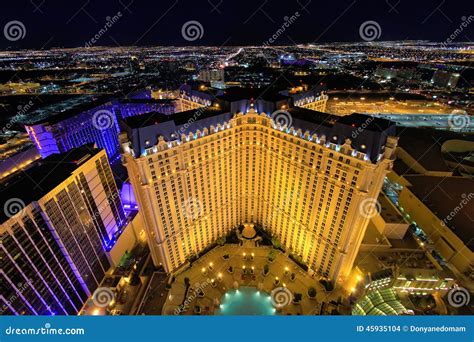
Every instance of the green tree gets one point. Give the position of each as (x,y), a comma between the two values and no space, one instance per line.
(312,292)
(276,243)
(266,269)
(271,255)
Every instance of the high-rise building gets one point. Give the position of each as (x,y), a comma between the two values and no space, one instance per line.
(125,108)
(59,220)
(211,75)
(64,128)
(311,189)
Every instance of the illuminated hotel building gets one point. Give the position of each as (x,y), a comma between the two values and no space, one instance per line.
(315,102)
(59,220)
(304,184)
(96,121)
(74,127)
(189,99)
(125,108)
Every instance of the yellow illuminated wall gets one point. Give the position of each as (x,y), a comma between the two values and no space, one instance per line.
(305,192)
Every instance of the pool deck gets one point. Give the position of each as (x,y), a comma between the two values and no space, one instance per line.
(246,301)
(213,292)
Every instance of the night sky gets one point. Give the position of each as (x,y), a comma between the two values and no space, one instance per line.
(68,23)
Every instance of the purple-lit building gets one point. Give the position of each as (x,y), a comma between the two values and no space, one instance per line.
(125,108)
(92,121)
(128,197)
(56,232)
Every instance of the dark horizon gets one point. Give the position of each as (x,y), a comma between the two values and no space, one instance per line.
(225,23)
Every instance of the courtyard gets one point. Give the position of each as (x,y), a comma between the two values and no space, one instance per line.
(200,289)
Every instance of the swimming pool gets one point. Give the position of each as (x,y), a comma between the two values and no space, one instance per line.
(246,301)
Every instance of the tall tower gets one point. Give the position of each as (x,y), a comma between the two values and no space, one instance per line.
(59,220)
(308,189)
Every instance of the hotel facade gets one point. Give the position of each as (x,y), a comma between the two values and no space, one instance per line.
(60,220)
(309,189)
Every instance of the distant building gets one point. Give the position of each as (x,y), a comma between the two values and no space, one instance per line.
(311,100)
(211,75)
(92,121)
(61,217)
(443,208)
(125,108)
(410,280)
(445,79)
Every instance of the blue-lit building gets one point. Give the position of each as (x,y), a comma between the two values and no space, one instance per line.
(87,119)
(62,217)
(93,121)
(125,108)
